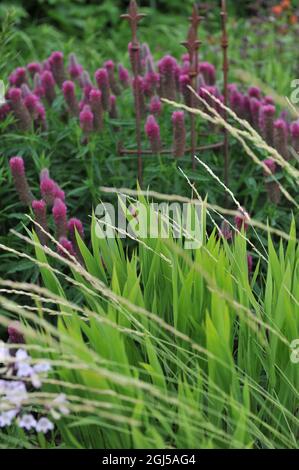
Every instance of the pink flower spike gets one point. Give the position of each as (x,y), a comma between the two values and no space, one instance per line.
(167,68)
(20,76)
(295,135)
(33,68)
(112,108)
(68,89)
(281,137)
(48,84)
(226,231)
(48,190)
(254,92)
(73,225)
(102,79)
(40,214)
(20,111)
(57,67)
(31,101)
(66,249)
(15,334)
(255,106)
(123,76)
(17,169)
(242,219)
(266,123)
(74,68)
(184,82)
(249,263)
(152,131)
(155,105)
(179,134)
(208,72)
(95,99)
(110,67)
(86,120)
(271,165)
(59,211)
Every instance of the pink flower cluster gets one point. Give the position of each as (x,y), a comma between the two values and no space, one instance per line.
(52,199)
(261,113)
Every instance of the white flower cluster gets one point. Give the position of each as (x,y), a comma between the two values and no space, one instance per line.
(14,394)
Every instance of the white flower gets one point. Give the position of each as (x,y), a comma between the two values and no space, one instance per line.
(42,367)
(6,417)
(44,425)
(16,392)
(35,380)
(27,422)
(21,355)
(4,353)
(60,402)
(24,369)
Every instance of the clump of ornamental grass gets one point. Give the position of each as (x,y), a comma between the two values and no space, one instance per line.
(170,345)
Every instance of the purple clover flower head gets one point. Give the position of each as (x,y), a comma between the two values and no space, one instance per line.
(66,245)
(95,100)
(254,92)
(247,109)
(135,59)
(17,169)
(48,84)
(226,231)
(31,101)
(268,100)
(208,72)
(249,263)
(40,215)
(150,83)
(73,225)
(25,90)
(295,135)
(48,190)
(110,67)
(167,69)
(112,107)
(281,138)
(14,333)
(271,165)
(137,84)
(266,123)
(152,131)
(38,88)
(86,120)
(232,87)
(255,106)
(272,187)
(155,106)
(74,68)
(59,211)
(57,67)
(184,82)
(40,119)
(102,79)
(5,109)
(68,89)
(237,103)
(19,109)
(179,134)
(242,219)
(18,77)
(33,68)
(123,76)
